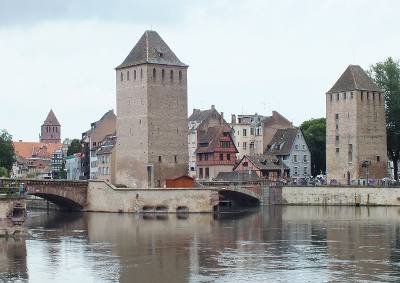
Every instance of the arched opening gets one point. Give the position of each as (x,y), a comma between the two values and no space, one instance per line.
(62,202)
(148,209)
(154,74)
(237,199)
(161,209)
(348,178)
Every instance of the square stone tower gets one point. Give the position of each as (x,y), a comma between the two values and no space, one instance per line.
(151,115)
(355,129)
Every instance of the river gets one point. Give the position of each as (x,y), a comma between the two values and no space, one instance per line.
(269,244)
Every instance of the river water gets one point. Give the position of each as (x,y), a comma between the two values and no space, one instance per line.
(269,244)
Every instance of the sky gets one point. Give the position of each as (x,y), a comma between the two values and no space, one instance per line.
(244,56)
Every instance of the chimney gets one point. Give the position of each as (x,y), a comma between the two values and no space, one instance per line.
(196,110)
(233,119)
(213,107)
(222,118)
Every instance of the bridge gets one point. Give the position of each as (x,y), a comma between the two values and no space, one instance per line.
(74,195)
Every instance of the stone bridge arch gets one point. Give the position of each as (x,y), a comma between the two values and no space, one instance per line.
(70,195)
(241,195)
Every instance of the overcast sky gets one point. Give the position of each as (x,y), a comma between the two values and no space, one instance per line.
(244,56)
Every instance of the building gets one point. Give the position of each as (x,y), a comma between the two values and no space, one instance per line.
(90,143)
(37,156)
(200,120)
(51,129)
(291,148)
(152,115)
(252,133)
(355,129)
(20,168)
(57,160)
(106,159)
(216,152)
(73,166)
(266,166)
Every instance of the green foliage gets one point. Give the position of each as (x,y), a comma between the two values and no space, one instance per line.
(6,150)
(387,76)
(314,133)
(3,172)
(75,147)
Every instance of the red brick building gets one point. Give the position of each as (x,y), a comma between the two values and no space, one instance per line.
(216,151)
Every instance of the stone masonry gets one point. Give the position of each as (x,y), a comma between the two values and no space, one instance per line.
(151,115)
(355,129)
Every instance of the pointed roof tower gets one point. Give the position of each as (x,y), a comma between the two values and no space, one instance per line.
(151,49)
(51,120)
(354,78)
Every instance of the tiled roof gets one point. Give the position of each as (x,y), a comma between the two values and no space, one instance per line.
(151,49)
(237,176)
(276,117)
(27,149)
(51,119)
(211,138)
(282,141)
(354,78)
(266,162)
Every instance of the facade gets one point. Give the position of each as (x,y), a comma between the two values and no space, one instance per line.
(106,159)
(266,166)
(90,143)
(73,166)
(51,129)
(152,112)
(291,148)
(57,159)
(20,168)
(355,129)
(216,152)
(200,120)
(252,133)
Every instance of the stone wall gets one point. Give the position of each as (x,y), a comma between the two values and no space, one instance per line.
(334,196)
(104,197)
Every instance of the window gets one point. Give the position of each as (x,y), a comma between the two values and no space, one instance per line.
(228,156)
(344,96)
(252,131)
(207,174)
(206,156)
(304,146)
(162,74)
(127,75)
(201,173)
(337,116)
(296,172)
(141,73)
(200,157)
(330,97)
(350,153)
(378,158)
(305,171)
(362,94)
(295,158)
(244,145)
(238,144)
(337,150)
(337,97)
(159,158)
(180,76)
(296,146)
(221,156)
(225,144)
(134,74)
(154,74)
(305,158)
(122,76)
(176,159)
(245,164)
(171,76)
(244,132)
(351,95)
(337,139)
(252,145)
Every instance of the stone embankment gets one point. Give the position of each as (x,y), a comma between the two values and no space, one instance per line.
(368,196)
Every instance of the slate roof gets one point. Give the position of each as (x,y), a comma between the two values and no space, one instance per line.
(354,78)
(237,176)
(151,49)
(51,119)
(201,115)
(282,141)
(266,162)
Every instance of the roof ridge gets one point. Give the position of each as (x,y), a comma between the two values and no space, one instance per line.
(354,79)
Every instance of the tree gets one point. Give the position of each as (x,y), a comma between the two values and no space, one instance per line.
(387,76)
(314,133)
(3,172)
(75,147)
(6,151)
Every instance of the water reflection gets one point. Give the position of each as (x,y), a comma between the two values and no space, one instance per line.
(279,243)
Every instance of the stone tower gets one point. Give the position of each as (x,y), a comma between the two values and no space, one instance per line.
(151,115)
(51,129)
(355,129)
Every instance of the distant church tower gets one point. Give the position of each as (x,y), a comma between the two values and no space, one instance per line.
(355,129)
(51,129)
(151,115)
